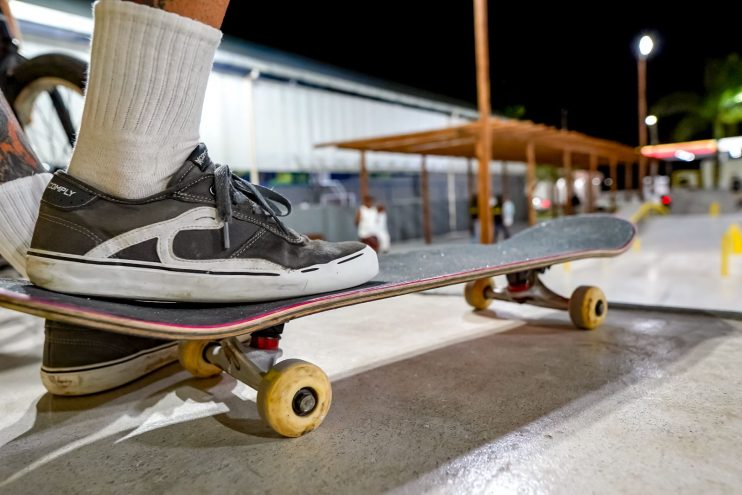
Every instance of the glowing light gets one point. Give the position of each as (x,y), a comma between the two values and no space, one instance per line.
(651,120)
(666,200)
(702,148)
(686,156)
(645,45)
(732,145)
(596,181)
(536,202)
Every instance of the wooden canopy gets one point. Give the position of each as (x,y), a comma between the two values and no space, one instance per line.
(510,142)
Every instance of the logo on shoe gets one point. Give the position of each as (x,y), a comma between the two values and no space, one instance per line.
(200,158)
(61,189)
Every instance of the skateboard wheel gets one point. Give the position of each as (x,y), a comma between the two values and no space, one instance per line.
(191,356)
(587,307)
(294,397)
(475,293)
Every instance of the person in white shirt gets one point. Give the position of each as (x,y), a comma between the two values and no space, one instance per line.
(382,231)
(367,220)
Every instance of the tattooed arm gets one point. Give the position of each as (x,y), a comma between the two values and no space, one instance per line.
(16,157)
(209,12)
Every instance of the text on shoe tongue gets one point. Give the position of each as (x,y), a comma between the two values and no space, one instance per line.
(61,189)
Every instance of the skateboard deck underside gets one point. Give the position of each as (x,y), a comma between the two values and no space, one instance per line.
(552,242)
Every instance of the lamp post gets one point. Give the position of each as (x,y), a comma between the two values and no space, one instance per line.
(645,46)
(651,122)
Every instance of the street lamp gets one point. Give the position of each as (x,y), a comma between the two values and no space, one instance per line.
(651,122)
(645,47)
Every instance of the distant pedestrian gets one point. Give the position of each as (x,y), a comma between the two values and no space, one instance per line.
(474,217)
(371,220)
(498,216)
(508,215)
(382,231)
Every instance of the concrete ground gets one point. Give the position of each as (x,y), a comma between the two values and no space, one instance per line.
(428,397)
(676,263)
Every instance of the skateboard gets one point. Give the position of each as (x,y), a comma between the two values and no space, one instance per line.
(294,396)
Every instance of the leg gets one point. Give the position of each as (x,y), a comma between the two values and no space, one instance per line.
(209,12)
(200,224)
(146,86)
(105,360)
(17,159)
(21,187)
(109,360)
(499,228)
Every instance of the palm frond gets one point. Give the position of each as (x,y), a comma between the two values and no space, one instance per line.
(691,127)
(721,74)
(677,103)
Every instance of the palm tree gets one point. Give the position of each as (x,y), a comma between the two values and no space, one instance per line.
(716,112)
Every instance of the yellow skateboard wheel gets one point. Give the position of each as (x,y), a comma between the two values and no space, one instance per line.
(294,397)
(191,356)
(475,293)
(587,307)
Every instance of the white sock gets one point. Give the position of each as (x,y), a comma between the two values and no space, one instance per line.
(145,93)
(19,208)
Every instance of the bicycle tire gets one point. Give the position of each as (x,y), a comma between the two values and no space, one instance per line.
(47,73)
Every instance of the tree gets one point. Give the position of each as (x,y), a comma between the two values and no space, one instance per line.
(716,113)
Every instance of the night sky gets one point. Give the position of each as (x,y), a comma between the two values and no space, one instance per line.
(545,59)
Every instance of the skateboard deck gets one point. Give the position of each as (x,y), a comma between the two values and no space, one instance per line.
(552,242)
(294,396)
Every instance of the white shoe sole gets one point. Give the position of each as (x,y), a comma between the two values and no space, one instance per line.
(100,377)
(110,277)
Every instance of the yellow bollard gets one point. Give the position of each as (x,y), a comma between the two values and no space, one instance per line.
(731,243)
(714,209)
(735,236)
(726,244)
(637,244)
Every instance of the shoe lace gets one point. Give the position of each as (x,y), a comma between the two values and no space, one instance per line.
(230,189)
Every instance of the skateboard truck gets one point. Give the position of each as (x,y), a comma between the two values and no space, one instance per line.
(293,395)
(587,306)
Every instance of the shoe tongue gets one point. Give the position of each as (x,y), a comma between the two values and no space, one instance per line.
(198,157)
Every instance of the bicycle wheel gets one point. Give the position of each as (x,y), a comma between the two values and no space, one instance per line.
(46,93)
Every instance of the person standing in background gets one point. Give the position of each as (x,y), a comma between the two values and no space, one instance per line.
(497,217)
(382,230)
(508,216)
(367,220)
